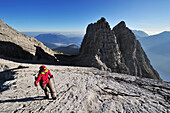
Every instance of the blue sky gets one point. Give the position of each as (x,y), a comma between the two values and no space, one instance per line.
(150,16)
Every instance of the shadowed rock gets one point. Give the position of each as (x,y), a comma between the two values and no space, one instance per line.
(11,50)
(83,90)
(115,50)
(100,49)
(20,46)
(133,55)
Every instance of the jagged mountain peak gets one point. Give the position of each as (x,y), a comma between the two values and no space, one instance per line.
(102,20)
(116,50)
(122,24)
(102,23)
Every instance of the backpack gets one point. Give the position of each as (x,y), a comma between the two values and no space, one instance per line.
(41,72)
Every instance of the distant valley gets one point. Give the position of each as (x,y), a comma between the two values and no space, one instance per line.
(55,40)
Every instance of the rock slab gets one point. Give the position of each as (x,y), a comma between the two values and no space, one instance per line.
(14,44)
(82,90)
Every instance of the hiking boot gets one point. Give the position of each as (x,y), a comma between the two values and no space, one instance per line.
(54,98)
(46,97)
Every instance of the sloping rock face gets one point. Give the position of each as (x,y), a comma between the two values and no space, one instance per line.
(115,50)
(81,90)
(133,55)
(14,44)
(100,49)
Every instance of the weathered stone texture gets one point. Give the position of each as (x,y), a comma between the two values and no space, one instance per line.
(116,50)
(21,46)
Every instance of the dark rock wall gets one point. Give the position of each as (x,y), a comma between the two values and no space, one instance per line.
(20,46)
(133,55)
(11,50)
(99,47)
(116,50)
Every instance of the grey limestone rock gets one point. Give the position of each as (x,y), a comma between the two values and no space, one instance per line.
(115,50)
(132,53)
(82,90)
(100,49)
(14,44)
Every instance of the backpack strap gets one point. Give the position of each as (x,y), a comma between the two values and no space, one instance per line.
(46,71)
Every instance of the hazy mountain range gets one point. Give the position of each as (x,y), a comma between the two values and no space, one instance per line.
(68,34)
(71,49)
(139,33)
(157,49)
(53,40)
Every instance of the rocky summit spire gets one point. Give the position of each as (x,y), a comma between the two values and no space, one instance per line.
(116,50)
(132,53)
(100,49)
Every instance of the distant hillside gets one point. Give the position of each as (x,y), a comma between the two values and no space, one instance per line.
(156,40)
(52,38)
(58,40)
(68,34)
(33,34)
(53,45)
(139,33)
(71,49)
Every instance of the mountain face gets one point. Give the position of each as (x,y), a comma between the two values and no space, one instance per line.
(14,44)
(132,53)
(100,49)
(156,47)
(139,33)
(116,50)
(71,49)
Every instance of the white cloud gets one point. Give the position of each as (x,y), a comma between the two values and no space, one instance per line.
(60,44)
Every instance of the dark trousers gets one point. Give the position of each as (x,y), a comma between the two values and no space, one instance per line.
(49,85)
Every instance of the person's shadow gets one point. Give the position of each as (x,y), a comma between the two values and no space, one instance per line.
(7,75)
(23,99)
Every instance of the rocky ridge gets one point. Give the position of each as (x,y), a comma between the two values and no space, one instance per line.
(115,50)
(14,44)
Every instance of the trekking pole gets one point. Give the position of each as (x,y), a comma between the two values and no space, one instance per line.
(37,88)
(54,86)
(38,92)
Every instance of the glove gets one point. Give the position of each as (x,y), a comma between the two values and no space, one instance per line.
(51,76)
(35,83)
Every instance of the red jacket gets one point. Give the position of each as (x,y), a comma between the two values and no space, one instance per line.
(44,76)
